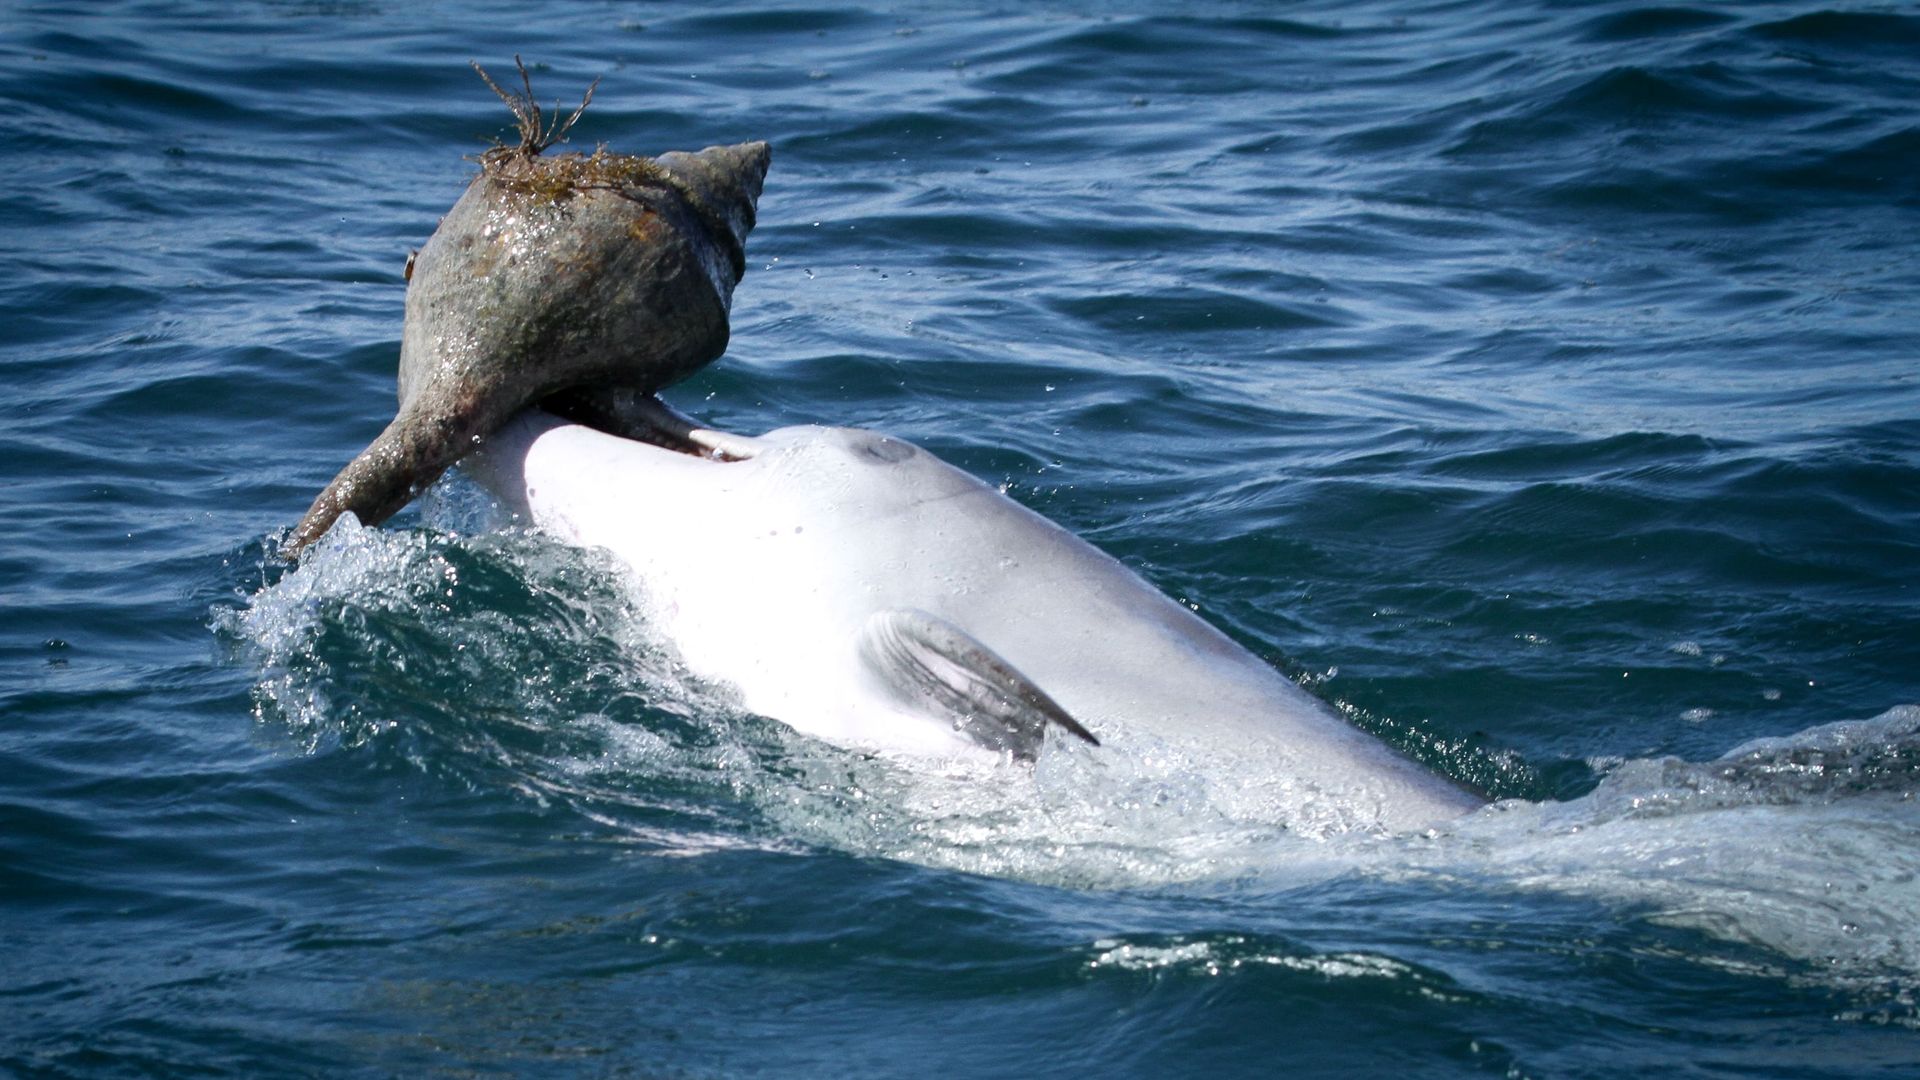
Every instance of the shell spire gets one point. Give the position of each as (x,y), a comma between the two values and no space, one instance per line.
(568,275)
(724,182)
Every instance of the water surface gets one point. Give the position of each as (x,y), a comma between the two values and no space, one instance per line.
(1536,383)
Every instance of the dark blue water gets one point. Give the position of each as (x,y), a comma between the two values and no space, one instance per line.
(1537,383)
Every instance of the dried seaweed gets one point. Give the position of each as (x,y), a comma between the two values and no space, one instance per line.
(523,170)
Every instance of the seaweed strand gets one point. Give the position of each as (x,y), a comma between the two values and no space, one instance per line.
(536,134)
(521,168)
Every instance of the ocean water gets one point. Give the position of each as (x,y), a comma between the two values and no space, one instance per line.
(1534,382)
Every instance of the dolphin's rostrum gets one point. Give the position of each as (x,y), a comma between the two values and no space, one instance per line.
(571,279)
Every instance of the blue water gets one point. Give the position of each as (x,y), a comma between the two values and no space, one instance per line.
(1534,382)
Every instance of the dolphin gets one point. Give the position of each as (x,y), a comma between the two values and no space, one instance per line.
(863,591)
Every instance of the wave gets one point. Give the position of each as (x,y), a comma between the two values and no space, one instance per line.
(509,665)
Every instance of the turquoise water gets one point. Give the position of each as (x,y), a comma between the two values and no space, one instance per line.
(1536,383)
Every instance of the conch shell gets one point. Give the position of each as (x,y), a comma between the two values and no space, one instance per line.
(562,280)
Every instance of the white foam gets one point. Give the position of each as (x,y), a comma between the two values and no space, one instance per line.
(1807,845)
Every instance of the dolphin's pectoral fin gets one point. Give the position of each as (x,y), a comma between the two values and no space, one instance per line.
(933,665)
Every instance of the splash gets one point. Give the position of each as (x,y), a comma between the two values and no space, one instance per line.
(1807,845)
(488,657)
(512,664)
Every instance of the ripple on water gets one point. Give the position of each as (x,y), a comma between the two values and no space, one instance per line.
(1534,383)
